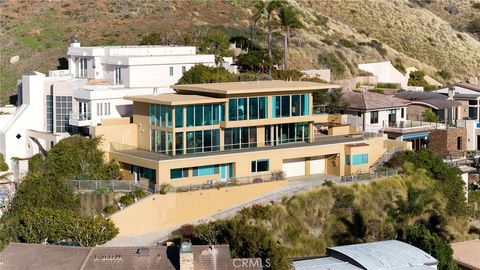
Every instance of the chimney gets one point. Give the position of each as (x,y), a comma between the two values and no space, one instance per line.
(451,92)
(186,256)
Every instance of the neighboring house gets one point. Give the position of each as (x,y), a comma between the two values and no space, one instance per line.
(468,95)
(238,130)
(90,91)
(375,111)
(465,254)
(386,73)
(382,255)
(21,256)
(444,107)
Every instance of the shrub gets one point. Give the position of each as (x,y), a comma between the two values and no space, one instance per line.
(127,200)
(138,193)
(421,237)
(330,60)
(204,74)
(347,43)
(278,175)
(185,231)
(445,74)
(3,167)
(476,5)
(288,74)
(165,188)
(110,209)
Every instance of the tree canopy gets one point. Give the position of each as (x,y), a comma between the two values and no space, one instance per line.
(45,208)
(417,78)
(205,74)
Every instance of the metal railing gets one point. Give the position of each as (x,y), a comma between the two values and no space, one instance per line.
(314,139)
(368,176)
(106,185)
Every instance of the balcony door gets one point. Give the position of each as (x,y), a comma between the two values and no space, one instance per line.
(392,117)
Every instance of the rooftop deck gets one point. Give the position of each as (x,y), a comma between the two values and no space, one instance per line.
(318,141)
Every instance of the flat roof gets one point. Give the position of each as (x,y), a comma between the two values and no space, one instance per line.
(174,99)
(230,88)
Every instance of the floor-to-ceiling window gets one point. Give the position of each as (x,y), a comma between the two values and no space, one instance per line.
(203,141)
(239,138)
(247,108)
(287,133)
(63,107)
(204,114)
(161,141)
(290,105)
(160,115)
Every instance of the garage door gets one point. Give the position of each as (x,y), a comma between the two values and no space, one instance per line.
(294,167)
(317,165)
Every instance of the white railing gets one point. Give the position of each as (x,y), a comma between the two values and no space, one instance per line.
(80,116)
(106,185)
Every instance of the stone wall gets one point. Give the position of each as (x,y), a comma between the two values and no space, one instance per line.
(444,142)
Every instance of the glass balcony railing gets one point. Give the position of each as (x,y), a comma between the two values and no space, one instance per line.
(80,116)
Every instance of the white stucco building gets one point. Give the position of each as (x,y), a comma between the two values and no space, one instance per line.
(386,73)
(92,89)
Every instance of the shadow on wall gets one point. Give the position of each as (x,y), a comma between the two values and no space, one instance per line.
(62,63)
(124,110)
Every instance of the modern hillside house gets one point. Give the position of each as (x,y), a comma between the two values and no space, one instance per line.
(91,90)
(218,131)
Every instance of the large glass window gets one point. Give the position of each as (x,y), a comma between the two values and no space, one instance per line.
(203,141)
(294,105)
(179,116)
(206,170)
(63,107)
(232,109)
(262,108)
(178,173)
(161,141)
(260,165)
(242,109)
(207,114)
(198,115)
(190,116)
(179,143)
(160,115)
(82,67)
(285,107)
(253,108)
(245,137)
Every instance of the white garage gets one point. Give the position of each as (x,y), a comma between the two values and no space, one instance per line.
(317,165)
(294,167)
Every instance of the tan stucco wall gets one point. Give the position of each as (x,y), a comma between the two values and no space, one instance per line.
(122,133)
(339,130)
(160,212)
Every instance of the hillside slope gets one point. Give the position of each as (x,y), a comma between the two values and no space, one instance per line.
(39,32)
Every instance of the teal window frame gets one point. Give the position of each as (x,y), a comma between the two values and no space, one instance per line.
(359,159)
(178,173)
(232,109)
(190,116)
(198,115)
(347,160)
(178,116)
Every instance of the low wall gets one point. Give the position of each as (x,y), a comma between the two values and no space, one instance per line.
(160,212)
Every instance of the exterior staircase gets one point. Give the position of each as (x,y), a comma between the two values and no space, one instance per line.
(384,158)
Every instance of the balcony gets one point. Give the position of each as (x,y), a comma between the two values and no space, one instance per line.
(80,119)
(318,140)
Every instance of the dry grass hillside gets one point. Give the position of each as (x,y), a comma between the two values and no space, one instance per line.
(39,32)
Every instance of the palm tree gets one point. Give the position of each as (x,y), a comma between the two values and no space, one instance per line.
(289,19)
(266,8)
